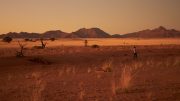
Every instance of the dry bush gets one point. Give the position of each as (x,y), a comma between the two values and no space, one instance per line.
(39,86)
(43,45)
(27,39)
(81,95)
(113,87)
(40,60)
(21,52)
(126,77)
(129,71)
(176,62)
(7,39)
(52,39)
(107,66)
(95,46)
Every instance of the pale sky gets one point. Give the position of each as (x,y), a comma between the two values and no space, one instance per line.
(112,16)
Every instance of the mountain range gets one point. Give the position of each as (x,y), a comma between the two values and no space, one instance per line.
(160,32)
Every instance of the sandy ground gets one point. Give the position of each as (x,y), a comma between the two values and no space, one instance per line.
(77,73)
(92,41)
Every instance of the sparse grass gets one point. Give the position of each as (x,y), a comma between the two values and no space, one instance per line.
(128,74)
(82,91)
(107,66)
(73,75)
(39,86)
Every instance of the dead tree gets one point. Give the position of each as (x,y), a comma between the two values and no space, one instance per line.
(43,45)
(21,52)
(85,43)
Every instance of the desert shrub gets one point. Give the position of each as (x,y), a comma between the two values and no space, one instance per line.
(43,45)
(26,39)
(40,60)
(95,46)
(107,66)
(21,52)
(7,39)
(125,80)
(52,39)
(127,75)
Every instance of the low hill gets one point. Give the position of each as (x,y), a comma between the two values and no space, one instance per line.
(55,34)
(90,33)
(160,32)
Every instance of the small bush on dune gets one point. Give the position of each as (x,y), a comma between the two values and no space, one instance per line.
(95,46)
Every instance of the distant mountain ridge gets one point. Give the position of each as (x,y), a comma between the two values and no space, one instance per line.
(160,32)
(90,33)
(21,35)
(54,34)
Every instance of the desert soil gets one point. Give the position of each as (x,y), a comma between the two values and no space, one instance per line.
(77,73)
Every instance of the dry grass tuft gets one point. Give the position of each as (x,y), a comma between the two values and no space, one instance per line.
(127,75)
(107,66)
(38,87)
(82,91)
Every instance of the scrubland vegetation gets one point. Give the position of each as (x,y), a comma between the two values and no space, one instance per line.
(67,71)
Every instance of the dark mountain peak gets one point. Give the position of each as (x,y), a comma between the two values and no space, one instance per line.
(160,32)
(82,29)
(12,33)
(173,30)
(90,29)
(95,28)
(91,33)
(161,28)
(54,31)
(55,34)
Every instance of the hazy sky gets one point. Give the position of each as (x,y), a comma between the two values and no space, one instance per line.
(113,16)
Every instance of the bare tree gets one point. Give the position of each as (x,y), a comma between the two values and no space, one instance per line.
(85,43)
(43,45)
(21,52)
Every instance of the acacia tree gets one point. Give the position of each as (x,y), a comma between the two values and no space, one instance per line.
(7,39)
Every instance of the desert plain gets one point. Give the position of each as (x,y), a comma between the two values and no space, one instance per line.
(67,71)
